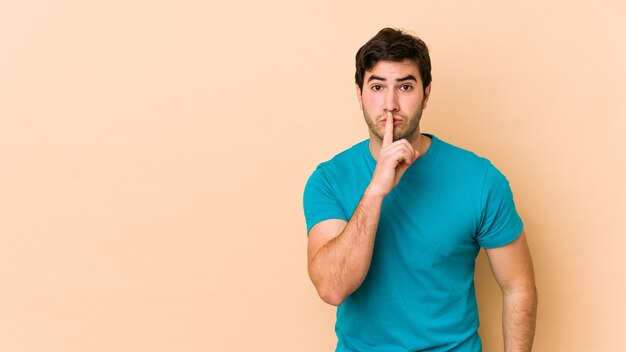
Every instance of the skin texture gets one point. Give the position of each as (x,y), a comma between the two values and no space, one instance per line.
(339,252)
(513,269)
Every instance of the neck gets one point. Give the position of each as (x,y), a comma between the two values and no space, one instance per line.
(420,142)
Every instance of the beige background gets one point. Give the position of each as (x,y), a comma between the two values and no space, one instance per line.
(154,155)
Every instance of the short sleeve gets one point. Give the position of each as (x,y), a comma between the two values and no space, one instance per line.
(320,200)
(500,223)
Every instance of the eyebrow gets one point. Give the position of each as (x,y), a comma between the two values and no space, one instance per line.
(405,78)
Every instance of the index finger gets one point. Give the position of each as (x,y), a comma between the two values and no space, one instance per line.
(388,137)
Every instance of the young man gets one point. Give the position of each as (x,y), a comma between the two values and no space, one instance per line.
(395,222)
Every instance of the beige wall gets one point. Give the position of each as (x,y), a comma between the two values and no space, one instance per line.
(154,155)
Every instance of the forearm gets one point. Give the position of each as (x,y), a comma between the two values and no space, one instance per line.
(518,320)
(340,266)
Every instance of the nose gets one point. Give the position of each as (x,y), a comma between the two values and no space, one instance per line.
(391,101)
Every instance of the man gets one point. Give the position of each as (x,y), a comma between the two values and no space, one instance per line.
(395,222)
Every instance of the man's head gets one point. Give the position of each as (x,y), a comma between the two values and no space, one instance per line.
(393,45)
(393,76)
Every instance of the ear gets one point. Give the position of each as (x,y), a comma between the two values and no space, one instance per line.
(358,96)
(426,95)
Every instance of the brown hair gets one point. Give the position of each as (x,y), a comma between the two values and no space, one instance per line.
(393,45)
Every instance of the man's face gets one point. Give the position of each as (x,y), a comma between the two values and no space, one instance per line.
(394,87)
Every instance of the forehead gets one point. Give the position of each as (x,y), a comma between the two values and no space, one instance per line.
(393,69)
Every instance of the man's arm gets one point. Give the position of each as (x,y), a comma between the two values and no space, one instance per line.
(513,269)
(340,253)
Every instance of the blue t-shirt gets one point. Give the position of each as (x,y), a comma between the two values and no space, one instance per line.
(419,291)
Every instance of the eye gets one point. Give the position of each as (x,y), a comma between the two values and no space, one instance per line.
(377,87)
(406,87)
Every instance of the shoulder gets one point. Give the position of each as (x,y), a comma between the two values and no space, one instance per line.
(325,191)
(343,170)
(462,160)
(343,161)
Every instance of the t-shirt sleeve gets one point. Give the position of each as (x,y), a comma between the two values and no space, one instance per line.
(500,223)
(320,200)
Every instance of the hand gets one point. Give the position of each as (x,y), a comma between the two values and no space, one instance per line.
(393,160)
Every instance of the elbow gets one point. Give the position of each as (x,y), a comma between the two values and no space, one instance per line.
(522,296)
(327,292)
(332,297)
(330,292)
(525,289)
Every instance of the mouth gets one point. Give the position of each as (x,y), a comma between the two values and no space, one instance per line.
(396,121)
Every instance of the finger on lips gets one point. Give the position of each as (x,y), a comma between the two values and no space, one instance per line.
(388,137)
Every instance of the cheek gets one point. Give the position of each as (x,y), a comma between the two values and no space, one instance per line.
(369,101)
(412,103)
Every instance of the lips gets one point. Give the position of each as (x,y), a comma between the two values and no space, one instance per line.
(395,121)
